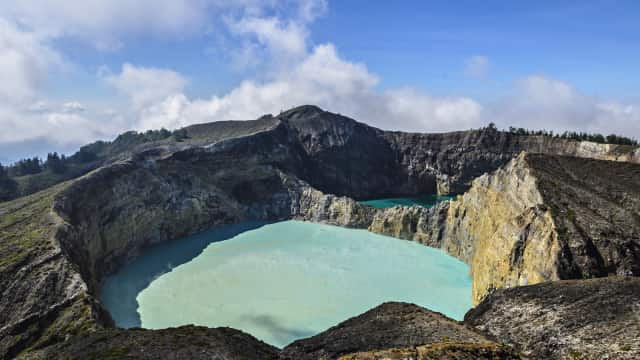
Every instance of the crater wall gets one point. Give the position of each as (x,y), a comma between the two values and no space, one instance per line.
(513,226)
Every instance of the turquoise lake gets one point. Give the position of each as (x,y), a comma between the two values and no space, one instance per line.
(281,281)
(420,200)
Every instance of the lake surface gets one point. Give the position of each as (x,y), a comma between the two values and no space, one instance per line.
(282,281)
(420,200)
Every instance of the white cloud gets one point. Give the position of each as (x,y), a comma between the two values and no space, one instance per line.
(73,107)
(276,41)
(107,23)
(272,34)
(57,125)
(29,27)
(24,63)
(298,75)
(322,78)
(26,60)
(283,38)
(477,67)
(104,22)
(144,85)
(539,102)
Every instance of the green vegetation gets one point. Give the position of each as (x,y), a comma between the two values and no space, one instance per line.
(25,167)
(110,353)
(28,176)
(578,136)
(24,227)
(8,186)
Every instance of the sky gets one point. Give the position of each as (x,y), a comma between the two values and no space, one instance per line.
(75,71)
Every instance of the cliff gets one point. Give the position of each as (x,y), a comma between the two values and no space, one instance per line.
(539,218)
(397,328)
(344,157)
(513,227)
(575,319)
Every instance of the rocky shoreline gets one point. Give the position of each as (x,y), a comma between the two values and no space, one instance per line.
(526,218)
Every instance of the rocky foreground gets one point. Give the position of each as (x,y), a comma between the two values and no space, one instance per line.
(526,218)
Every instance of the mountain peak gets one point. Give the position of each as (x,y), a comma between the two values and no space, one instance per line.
(303,111)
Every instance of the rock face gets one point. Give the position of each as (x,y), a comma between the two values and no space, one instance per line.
(503,229)
(513,227)
(576,319)
(345,157)
(186,342)
(392,327)
(539,218)
(459,351)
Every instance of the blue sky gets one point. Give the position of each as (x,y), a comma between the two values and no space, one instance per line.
(595,45)
(77,71)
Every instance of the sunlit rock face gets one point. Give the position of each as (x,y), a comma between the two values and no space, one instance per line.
(397,331)
(539,218)
(65,240)
(282,281)
(570,319)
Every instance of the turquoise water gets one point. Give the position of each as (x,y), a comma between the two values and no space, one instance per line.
(282,281)
(421,200)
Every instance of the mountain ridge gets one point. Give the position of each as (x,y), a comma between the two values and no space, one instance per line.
(58,244)
(451,154)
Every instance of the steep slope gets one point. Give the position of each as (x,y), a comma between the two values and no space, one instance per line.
(186,342)
(345,157)
(547,218)
(596,208)
(539,218)
(576,319)
(57,245)
(394,327)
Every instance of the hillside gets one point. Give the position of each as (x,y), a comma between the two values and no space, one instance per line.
(444,163)
(59,244)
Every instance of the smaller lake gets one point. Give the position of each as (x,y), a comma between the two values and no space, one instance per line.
(281,281)
(420,200)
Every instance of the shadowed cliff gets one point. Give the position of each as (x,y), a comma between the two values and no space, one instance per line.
(58,245)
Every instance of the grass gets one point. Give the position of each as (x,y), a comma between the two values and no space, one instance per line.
(110,353)
(25,227)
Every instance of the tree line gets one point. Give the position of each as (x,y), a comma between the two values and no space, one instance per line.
(57,164)
(578,136)
(8,186)
(58,167)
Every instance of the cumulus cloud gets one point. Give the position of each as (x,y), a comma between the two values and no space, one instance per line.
(538,101)
(271,34)
(477,67)
(73,107)
(284,38)
(105,23)
(325,79)
(294,74)
(25,61)
(275,41)
(56,124)
(29,28)
(146,85)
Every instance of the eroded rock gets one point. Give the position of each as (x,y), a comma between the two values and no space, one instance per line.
(574,319)
(387,328)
